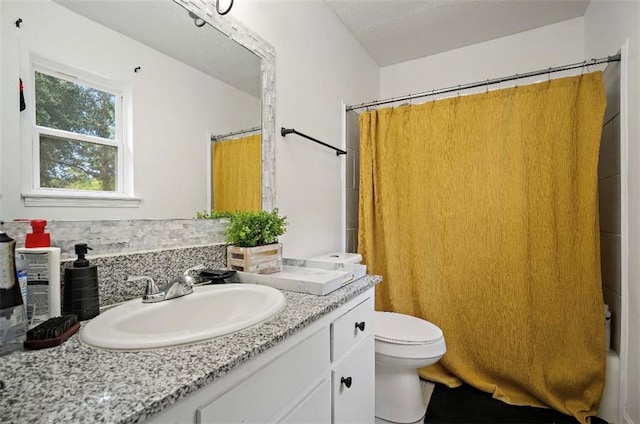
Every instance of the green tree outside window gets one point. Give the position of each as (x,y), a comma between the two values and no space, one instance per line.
(66,162)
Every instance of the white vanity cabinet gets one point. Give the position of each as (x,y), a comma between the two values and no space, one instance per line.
(324,373)
(353,365)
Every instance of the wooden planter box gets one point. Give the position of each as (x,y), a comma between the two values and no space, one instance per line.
(258,260)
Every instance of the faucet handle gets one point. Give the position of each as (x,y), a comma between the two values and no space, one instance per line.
(188,279)
(152,289)
(193,268)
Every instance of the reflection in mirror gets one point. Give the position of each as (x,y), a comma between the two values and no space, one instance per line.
(182,84)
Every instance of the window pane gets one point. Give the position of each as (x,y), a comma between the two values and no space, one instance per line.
(69,106)
(77,165)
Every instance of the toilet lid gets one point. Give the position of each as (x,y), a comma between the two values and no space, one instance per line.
(405,329)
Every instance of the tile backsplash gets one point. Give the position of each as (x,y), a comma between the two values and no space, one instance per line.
(124,236)
(161,265)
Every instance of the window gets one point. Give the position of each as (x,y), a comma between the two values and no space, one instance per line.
(76,128)
(79,146)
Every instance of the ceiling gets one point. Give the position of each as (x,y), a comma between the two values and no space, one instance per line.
(395,31)
(392,31)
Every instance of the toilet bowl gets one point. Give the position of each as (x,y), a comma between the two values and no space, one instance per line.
(403,344)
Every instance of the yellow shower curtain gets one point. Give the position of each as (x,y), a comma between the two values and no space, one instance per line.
(480,212)
(237,181)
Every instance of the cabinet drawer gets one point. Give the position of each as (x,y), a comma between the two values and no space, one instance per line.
(353,384)
(266,392)
(350,328)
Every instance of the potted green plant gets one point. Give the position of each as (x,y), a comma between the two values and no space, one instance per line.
(220,215)
(253,241)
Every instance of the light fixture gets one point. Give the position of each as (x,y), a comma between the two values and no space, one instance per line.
(199,22)
(226,11)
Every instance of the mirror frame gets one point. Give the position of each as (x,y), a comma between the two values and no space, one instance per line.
(236,31)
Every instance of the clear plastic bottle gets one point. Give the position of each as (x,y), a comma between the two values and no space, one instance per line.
(13,317)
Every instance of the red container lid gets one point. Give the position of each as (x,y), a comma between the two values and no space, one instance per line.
(38,238)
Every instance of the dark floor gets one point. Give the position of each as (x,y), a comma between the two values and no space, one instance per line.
(467,405)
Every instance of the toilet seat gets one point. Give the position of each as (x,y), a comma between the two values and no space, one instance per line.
(405,329)
(408,337)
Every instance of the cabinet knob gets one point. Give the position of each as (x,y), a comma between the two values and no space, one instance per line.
(360,325)
(346,381)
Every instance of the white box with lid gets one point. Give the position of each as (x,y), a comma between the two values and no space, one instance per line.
(319,277)
(340,258)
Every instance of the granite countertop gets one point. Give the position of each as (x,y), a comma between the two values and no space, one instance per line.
(75,383)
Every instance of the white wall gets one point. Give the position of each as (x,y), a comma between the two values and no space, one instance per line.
(318,65)
(607,25)
(552,45)
(174,108)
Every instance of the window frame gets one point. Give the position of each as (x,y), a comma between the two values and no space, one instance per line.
(123,195)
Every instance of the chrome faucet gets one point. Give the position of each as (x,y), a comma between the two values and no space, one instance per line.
(179,286)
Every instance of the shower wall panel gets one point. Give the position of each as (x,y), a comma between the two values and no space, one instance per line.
(610,201)
(352,180)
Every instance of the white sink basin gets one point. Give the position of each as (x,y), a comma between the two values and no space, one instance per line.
(210,311)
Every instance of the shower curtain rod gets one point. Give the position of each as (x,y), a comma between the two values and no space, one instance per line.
(231,134)
(614,58)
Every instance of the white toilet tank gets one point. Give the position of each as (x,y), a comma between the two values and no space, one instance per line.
(340,258)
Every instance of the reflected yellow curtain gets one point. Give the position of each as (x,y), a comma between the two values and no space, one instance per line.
(480,212)
(237,180)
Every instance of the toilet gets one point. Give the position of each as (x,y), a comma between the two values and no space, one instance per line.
(403,344)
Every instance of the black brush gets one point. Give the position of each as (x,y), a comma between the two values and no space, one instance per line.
(52,332)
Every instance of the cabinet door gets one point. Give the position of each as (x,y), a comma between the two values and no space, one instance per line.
(353,381)
(315,408)
(267,391)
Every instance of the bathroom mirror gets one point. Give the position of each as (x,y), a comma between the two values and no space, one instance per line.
(171,177)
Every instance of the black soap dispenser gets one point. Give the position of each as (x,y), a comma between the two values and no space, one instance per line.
(81,287)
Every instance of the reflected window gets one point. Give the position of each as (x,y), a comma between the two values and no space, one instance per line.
(78,137)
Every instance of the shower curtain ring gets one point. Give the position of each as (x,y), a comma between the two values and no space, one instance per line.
(584,63)
(487,85)
(549,76)
(515,81)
